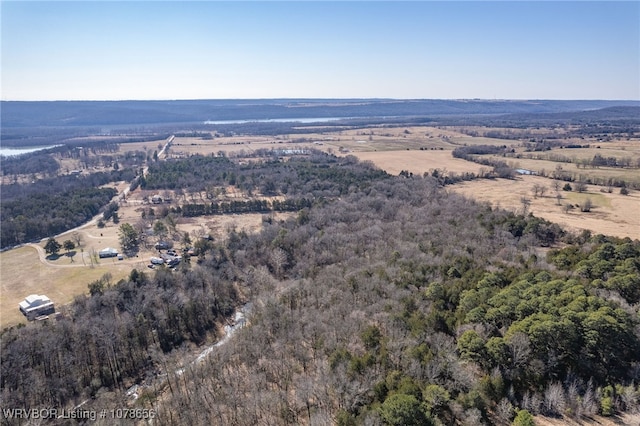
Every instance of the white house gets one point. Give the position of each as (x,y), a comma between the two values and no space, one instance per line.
(36,305)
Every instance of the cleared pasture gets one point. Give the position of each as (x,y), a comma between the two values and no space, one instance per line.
(618,150)
(338,141)
(612,214)
(419,162)
(23,274)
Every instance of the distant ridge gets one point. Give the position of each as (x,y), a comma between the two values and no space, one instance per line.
(112,113)
(608,113)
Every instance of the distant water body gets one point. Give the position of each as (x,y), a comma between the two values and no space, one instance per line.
(13,152)
(279,120)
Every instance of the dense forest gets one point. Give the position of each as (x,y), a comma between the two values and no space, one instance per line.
(49,206)
(316,174)
(29,164)
(385,301)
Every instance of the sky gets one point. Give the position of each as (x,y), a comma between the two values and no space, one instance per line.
(122,50)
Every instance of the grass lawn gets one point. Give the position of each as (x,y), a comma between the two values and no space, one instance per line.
(23,274)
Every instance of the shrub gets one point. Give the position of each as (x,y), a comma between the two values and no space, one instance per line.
(586,206)
(523,418)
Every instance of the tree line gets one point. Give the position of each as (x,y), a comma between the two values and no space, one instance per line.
(250,206)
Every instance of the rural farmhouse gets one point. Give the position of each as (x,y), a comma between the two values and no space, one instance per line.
(35,306)
(108,252)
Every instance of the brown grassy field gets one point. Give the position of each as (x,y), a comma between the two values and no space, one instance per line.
(419,162)
(354,140)
(149,146)
(613,214)
(616,149)
(23,274)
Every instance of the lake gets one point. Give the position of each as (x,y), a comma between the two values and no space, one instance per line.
(279,120)
(12,152)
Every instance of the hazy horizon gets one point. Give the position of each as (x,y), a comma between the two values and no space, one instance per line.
(343,99)
(207,50)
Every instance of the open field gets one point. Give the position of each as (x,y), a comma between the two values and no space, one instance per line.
(149,146)
(419,162)
(354,140)
(23,274)
(616,149)
(612,214)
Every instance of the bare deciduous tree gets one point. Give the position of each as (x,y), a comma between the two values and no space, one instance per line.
(77,238)
(278,260)
(554,399)
(505,411)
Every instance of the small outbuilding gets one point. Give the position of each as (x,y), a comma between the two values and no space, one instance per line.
(526,172)
(34,306)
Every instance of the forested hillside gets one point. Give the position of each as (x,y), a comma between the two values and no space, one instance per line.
(388,301)
(403,305)
(101,113)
